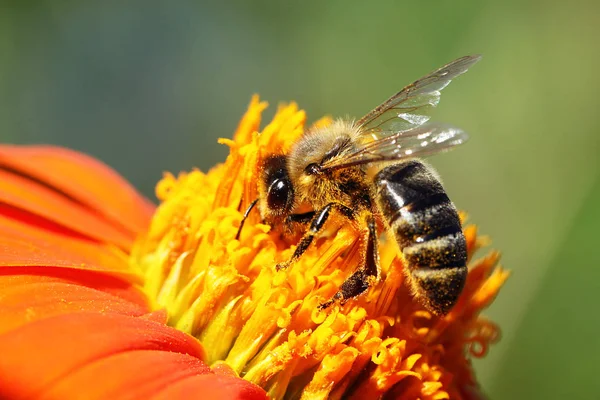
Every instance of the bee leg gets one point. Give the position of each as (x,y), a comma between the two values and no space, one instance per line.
(317,222)
(295,223)
(360,280)
(302,219)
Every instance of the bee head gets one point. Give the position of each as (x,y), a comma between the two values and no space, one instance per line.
(276,189)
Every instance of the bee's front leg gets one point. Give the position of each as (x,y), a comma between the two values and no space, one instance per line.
(299,219)
(317,220)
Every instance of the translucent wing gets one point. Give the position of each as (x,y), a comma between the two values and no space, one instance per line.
(423,140)
(411,106)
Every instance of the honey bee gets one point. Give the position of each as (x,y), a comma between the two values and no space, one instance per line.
(367,171)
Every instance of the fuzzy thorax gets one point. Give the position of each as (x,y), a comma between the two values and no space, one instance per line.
(315,147)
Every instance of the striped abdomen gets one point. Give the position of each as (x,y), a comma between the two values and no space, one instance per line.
(428,231)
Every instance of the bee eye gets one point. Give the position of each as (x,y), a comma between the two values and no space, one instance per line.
(279,194)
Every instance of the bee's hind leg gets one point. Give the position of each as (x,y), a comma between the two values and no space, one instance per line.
(318,220)
(360,280)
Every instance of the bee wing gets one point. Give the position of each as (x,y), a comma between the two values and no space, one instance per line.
(411,106)
(423,140)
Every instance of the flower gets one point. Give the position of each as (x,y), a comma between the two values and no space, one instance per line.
(265,324)
(93,273)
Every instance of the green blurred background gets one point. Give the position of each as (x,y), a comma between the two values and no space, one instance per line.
(149,86)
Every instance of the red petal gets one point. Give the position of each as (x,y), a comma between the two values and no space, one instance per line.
(128,375)
(27,298)
(113,285)
(222,368)
(160,316)
(37,356)
(212,387)
(23,245)
(84,179)
(37,199)
(48,273)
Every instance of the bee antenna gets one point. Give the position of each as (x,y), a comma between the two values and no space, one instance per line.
(250,207)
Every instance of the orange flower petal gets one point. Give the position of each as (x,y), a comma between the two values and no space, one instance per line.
(37,356)
(129,375)
(32,245)
(84,179)
(38,199)
(212,387)
(104,282)
(26,298)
